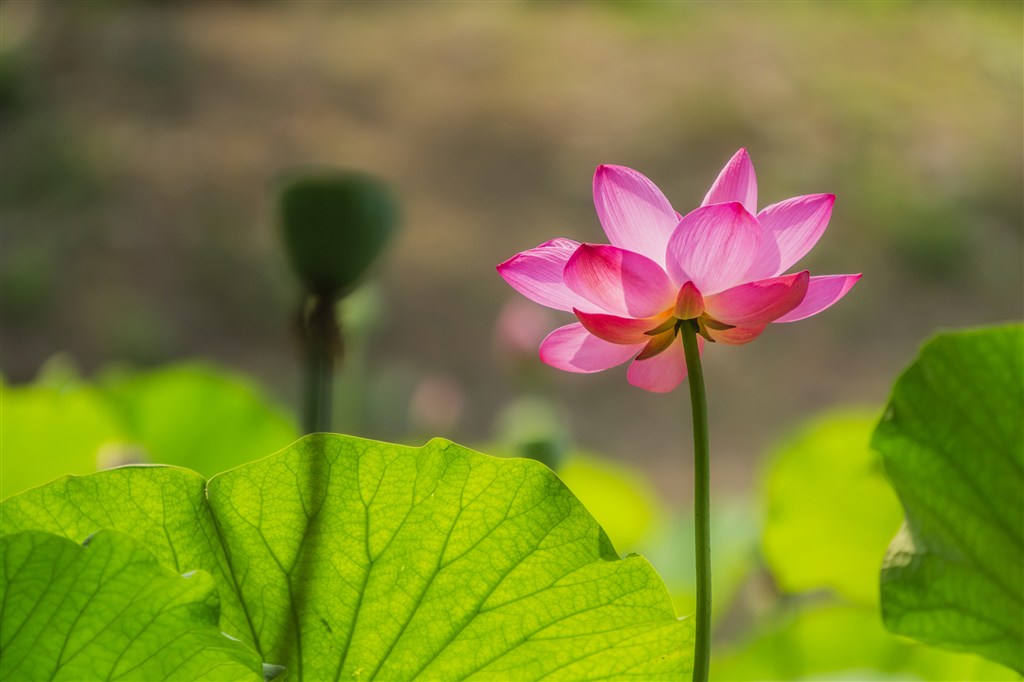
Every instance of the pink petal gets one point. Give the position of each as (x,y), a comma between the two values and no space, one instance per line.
(758,302)
(822,292)
(633,212)
(736,182)
(713,246)
(664,371)
(537,275)
(573,349)
(790,229)
(737,336)
(689,302)
(619,281)
(616,329)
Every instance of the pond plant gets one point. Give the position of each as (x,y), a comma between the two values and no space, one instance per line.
(712,275)
(340,558)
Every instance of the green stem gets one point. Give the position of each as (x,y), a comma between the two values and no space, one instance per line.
(701,501)
(322,340)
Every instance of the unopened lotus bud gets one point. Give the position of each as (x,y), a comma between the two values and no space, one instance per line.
(335,224)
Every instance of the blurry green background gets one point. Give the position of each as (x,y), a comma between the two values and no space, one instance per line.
(139,143)
(140,140)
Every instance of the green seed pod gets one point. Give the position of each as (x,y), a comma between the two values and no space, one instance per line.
(334,225)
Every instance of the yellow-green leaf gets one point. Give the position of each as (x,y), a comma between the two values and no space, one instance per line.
(109,611)
(357,560)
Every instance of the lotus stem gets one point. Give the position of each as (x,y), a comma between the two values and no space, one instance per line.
(322,341)
(701,501)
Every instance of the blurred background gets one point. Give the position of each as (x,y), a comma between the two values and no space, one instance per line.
(140,143)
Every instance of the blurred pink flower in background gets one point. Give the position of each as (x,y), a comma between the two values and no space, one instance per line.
(520,327)
(437,405)
(720,265)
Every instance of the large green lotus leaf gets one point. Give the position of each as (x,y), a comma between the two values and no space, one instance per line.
(196,416)
(842,642)
(109,611)
(165,508)
(355,559)
(830,513)
(952,441)
(49,431)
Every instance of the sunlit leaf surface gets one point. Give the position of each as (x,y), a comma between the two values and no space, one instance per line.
(163,507)
(842,642)
(619,497)
(952,441)
(353,559)
(830,513)
(188,414)
(109,611)
(49,432)
(197,416)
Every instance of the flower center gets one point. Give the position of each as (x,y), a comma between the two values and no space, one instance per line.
(687,312)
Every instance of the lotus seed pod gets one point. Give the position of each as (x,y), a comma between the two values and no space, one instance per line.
(335,224)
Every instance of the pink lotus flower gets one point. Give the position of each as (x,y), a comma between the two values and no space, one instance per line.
(720,265)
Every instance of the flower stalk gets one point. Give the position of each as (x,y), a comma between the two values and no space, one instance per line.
(714,275)
(321,341)
(334,225)
(701,499)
